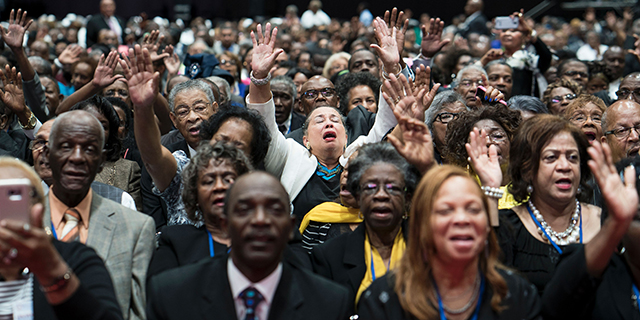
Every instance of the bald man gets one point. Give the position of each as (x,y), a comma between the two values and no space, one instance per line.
(620,124)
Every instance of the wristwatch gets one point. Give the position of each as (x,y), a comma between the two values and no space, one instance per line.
(30,124)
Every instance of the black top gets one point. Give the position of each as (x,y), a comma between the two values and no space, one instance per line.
(318,232)
(573,294)
(535,260)
(380,301)
(524,82)
(316,191)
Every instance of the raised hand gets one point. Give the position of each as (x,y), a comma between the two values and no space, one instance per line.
(483,160)
(152,42)
(103,76)
(492,54)
(70,54)
(13,96)
(143,81)
(636,47)
(13,36)
(416,145)
(171,62)
(387,47)
(402,104)
(264,52)
(432,38)
(395,19)
(422,82)
(621,197)
(523,26)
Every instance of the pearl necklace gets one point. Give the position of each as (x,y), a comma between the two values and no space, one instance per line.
(568,236)
(466,307)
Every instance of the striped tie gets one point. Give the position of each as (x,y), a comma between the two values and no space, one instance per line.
(73,221)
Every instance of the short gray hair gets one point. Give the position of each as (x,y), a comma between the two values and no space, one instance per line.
(222,85)
(440,101)
(190,85)
(527,103)
(456,82)
(287,82)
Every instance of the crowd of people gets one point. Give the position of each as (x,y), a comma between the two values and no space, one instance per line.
(309,168)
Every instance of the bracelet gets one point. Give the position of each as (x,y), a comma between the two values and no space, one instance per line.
(260,82)
(386,75)
(58,63)
(59,283)
(492,192)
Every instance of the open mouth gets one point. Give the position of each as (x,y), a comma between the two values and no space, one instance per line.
(381,213)
(218,202)
(329,136)
(194,131)
(591,136)
(564,184)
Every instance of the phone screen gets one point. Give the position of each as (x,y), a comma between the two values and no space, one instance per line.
(15,199)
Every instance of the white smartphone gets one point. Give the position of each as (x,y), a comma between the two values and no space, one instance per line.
(507,23)
(15,199)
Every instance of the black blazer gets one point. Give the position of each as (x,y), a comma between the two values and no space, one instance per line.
(477,25)
(202,291)
(297,120)
(341,259)
(94,299)
(572,293)
(151,204)
(97,23)
(359,122)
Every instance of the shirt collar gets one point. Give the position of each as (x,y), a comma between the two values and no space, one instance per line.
(287,124)
(58,208)
(266,287)
(192,151)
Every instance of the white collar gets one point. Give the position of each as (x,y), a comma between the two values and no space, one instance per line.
(287,123)
(192,151)
(266,287)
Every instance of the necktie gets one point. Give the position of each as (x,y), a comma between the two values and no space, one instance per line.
(282,128)
(71,230)
(252,299)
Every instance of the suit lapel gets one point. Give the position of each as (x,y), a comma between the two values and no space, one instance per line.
(354,257)
(288,297)
(217,298)
(102,225)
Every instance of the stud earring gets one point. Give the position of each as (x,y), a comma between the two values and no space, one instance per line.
(579,190)
(530,189)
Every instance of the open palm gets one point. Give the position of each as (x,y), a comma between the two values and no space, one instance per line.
(143,81)
(13,36)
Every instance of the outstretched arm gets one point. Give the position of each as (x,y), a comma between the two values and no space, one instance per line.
(143,89)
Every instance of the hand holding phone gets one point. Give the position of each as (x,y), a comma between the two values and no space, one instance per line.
(507,22)
(15,199)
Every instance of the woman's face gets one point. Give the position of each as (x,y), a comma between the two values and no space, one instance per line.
(326,133)
(382,197)
(560,99)
(362,95)
(511,39)
(459,221)
(442,119)
(229,64)
(118,89)
(596,84)
(103,120)
(497,136)
(589,120)
(237,132)
(558,176)
(299,79)
(213,182)
(338,65)
(122,129)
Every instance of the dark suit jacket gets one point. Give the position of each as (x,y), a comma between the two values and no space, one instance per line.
(14,143)
(202,291)
(297,120)
(154,205)
(341,259)
(477,25)
(604,95)
(97,23)
(359,122)
(94,299)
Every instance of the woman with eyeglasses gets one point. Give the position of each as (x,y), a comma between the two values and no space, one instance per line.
(446,107)
(548,173)
(585,112)
(231,63)
(382,182)
(559,94)
(499,122)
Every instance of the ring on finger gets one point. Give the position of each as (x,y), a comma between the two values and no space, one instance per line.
(26,227)
(13,253)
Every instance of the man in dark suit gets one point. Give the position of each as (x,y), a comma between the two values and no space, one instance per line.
(476,21)
(284,97)
(122,237)
(105,20)
(253,281)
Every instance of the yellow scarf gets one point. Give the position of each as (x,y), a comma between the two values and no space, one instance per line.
(330,212)
(378,264)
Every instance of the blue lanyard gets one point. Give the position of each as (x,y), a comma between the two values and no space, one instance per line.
(475,313)
(53,230)
(637,293)
(211,252)
(373,270)
(545,232)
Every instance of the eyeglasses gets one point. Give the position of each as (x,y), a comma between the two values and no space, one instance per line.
(468,83)
(38,144)
(445,117)
(313,94)
(227,62)
(581,118)
(200,107)
(623,133)
(624,93)
(576,73)
(558,99)
(390,188)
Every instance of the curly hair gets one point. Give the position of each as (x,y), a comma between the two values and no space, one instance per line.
(112,145)
(458,130)
(352,80)
(220,153)
(526,148)
(449,63)
(129,141)
(260,135)
(560,83)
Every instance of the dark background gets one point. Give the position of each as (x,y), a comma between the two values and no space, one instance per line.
(235,9)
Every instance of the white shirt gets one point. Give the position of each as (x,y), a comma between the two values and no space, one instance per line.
(613,88)
(310,19)
(586,53)
(266,287)
(192,151)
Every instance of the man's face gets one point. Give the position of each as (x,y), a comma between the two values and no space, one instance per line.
(108,37)
(40,49)
(75,154)
(190,109)
(500,76)
(364,61)
(40,162)
(81,75)
(227,37)
(108,7)
(259,221)
(52,94)
(620,116)
(576,71)
(283,100)
(318,92)
(469,82)
(614,62)
(305,60)
(629,89)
